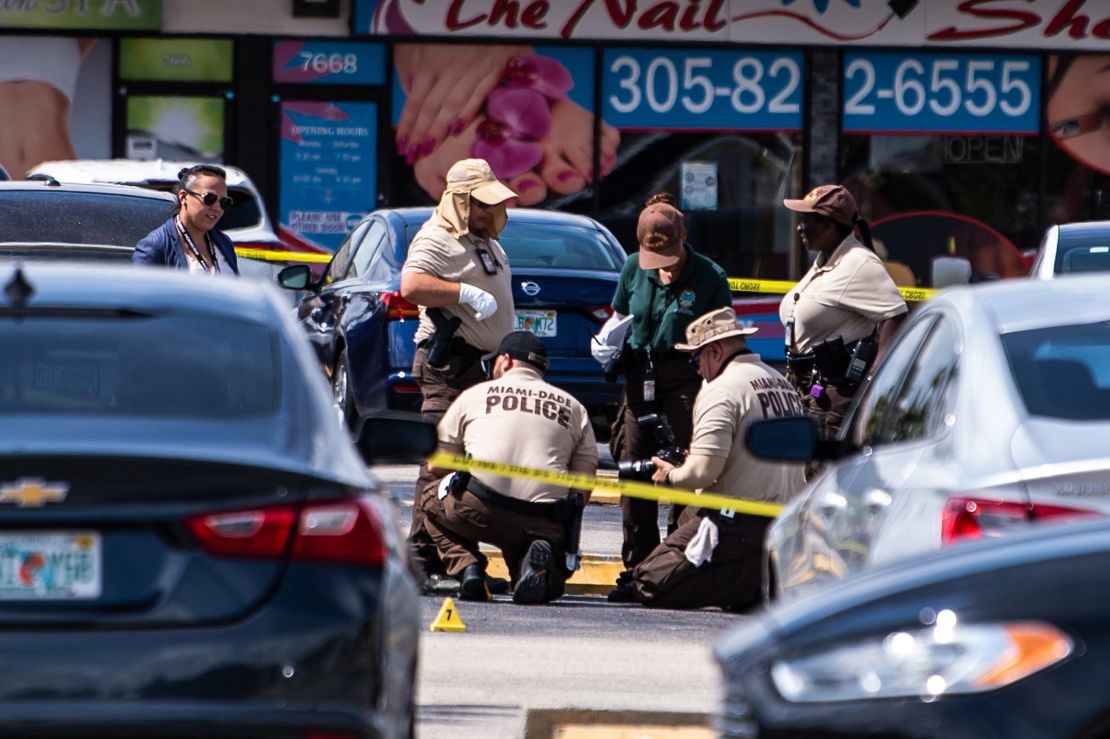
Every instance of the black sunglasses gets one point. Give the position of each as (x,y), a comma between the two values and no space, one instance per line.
(210,198)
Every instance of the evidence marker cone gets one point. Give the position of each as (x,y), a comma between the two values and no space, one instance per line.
(448,618)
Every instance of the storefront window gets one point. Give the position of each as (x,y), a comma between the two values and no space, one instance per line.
(972,197)
(730,186)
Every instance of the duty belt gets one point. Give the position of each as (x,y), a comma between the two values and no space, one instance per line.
(559,510)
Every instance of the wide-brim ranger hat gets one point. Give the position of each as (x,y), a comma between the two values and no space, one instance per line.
(660,232)
(523,345)
(475,177)
(717,324)
(831,201)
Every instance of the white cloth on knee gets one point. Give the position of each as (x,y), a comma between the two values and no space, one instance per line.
(700,549)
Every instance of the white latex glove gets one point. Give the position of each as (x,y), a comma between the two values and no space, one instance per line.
(602,352)
(484,304)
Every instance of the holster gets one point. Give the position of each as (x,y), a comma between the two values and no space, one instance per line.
(438,345)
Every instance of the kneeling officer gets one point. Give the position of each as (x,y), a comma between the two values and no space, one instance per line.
(713,557)
(515,418)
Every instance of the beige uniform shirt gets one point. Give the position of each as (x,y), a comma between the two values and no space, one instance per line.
(436,252)
(747,390)
(846,297)
(520,419)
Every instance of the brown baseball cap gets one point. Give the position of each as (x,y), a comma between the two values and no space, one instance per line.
(831,201)
(717,324)
(660,232)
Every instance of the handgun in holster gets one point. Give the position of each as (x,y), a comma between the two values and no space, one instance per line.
(439,343)
(831,358)
(574,532)
(458,482)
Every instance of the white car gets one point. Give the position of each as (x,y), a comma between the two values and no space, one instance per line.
(1072,248)
(989,412)
(246,222)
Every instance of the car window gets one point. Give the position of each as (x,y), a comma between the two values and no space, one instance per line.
(871,411)
(1062,371)
(557,245)
(922,404)
(369,250)
(337,268)
(245,211)
(73,217)
(138,366)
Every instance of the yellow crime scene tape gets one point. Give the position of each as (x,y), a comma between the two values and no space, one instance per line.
(282,256)
(633,489)
(781,287)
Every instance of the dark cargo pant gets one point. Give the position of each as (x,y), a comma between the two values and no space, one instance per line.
(731,580)
(460,521)
(676,386)
(439,386)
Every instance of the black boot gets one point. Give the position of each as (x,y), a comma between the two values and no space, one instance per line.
(473,586)
(623,592)
(534,572)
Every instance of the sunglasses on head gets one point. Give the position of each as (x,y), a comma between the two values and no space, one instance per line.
(210,198)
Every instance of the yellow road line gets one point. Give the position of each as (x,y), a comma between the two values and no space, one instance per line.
(630,488)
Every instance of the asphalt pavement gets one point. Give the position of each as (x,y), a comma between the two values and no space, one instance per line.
(543,666)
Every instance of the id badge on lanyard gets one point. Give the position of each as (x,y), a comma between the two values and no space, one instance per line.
(649,381)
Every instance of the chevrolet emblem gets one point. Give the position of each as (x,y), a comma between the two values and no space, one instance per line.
(33,492)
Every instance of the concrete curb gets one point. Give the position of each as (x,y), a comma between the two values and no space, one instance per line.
(597,575)
(568,723)
(606,497)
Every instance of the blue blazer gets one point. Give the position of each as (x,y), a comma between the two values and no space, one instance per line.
(163,246)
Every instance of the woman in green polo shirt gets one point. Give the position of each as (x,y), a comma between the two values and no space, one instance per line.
(664,286)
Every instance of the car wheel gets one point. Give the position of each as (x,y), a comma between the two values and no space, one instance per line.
(343,400)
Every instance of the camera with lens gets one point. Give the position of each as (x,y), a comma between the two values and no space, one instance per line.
(669,450)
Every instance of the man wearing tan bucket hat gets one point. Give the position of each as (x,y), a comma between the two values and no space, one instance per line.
(458,274)
(713,558)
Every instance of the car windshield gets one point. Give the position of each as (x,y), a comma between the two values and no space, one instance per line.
(1063,371)
(1086,251)
(73,217)
(556,245)
(124,365)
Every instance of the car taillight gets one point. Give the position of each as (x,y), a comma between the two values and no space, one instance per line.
(397,308)
(600,313)
(974,518)
(346,531)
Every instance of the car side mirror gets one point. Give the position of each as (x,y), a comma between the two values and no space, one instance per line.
(396,437)
(791,439)
(295,277)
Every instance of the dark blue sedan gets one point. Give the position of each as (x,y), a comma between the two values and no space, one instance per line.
(189,543)
(565,270)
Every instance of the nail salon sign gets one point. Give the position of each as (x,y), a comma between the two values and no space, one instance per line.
(1048,24)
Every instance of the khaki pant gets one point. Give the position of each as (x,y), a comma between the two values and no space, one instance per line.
(439,386)
(731,580)
(458,522)
(676,386)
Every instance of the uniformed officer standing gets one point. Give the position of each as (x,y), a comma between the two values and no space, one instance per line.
(458,274)
(713,558)
(515,418)
(843,312)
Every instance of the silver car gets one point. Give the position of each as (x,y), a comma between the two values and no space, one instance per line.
(1072,248)
(991,411)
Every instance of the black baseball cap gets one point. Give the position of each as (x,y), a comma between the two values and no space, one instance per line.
(523,345)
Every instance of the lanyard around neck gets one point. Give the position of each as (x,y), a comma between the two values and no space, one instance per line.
(193,247)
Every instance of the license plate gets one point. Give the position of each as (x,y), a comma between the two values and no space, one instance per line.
(50,565)
(539,322)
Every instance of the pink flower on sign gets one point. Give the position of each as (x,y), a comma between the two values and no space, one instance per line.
(543,74)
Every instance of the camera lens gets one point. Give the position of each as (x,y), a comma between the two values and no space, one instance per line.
(639,469)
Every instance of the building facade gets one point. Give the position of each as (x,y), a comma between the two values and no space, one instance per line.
(964,127)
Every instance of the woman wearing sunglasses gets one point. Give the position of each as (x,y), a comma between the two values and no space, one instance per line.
(189,239)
